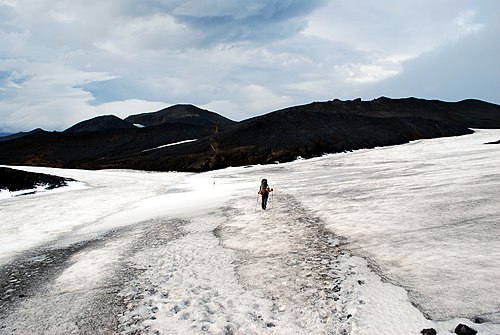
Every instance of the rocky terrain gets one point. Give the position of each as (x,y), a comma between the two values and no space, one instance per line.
(16,180)
(140,141)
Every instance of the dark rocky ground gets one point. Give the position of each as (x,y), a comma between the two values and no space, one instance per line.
(16,180)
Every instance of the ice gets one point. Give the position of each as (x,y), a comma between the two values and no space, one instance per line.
(384,241)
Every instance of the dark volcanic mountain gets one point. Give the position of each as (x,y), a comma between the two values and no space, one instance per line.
(20,134)
(186,114)
(100,123)
(307,131)
(89,142)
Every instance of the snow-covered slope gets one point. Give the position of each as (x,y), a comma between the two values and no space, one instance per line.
(367,242)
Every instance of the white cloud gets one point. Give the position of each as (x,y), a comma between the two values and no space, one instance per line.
(63,61)
(43,94)
(466,25)
(390,32)
(460,69)
(126,108)
(249,101)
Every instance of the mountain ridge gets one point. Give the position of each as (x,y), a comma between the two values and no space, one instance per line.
(306,130)
(188,113)
(100,123)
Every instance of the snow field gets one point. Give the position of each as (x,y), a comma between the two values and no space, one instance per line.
(350,244)
(427,216)
(40,189)
(212,281)
(80,294)
(32,221)
(196,290)
(317,285)
(294,262)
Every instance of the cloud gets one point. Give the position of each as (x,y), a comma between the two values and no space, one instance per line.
(61,62)
(32,91)
(52,96)
(124,108)
(249,101)
(241,21)
(392,32)
(461,69)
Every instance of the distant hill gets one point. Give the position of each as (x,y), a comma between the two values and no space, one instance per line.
(20,134)
(90,142)
(307,131)
(100,123)
(469,113)
(186,114)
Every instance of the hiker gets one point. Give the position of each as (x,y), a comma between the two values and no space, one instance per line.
(264,190)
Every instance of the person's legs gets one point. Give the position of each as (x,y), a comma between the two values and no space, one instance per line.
(264,200)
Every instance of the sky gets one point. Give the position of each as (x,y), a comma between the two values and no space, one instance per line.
(62,62)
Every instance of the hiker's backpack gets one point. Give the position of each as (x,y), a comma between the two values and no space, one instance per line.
(263,185)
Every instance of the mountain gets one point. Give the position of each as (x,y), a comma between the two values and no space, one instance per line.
(100,123)
(90,142)
(317,128)
(20,134)
(186,114)
(307,131)
(469,113)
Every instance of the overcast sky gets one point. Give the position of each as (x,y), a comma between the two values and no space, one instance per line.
(63,61)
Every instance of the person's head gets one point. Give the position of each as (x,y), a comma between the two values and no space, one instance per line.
(264,182)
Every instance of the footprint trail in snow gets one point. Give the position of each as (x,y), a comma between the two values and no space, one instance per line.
(242,271)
